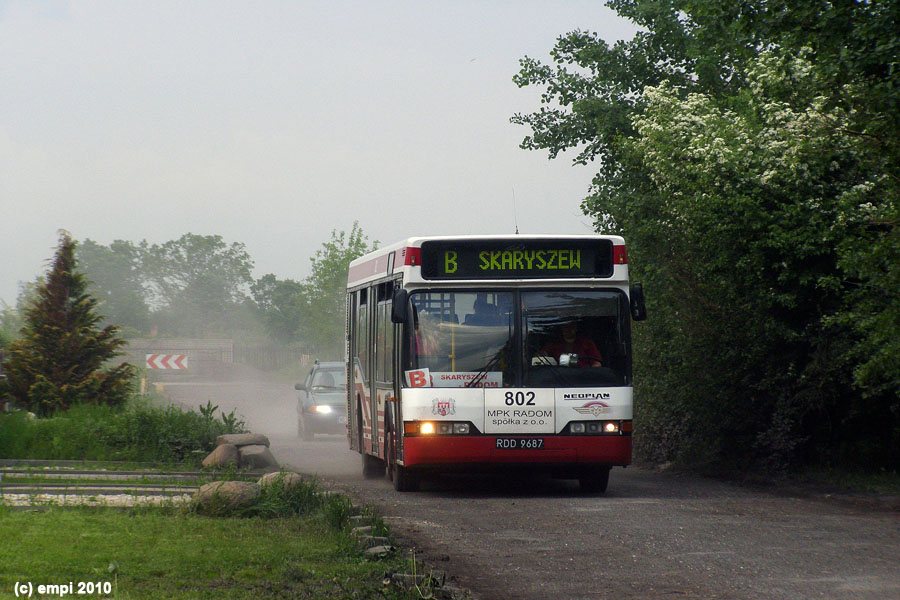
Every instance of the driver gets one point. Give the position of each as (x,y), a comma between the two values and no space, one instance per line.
(569,342)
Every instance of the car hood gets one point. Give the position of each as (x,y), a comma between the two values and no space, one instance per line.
(330,398)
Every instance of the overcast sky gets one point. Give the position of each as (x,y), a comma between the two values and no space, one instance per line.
(273,123)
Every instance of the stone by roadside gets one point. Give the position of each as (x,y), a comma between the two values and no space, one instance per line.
(114,500)
(244,450)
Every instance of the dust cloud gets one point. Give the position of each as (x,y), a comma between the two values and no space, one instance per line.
(268,405)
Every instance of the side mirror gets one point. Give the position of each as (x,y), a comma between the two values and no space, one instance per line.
(300,387)
(638,309)
(400,306)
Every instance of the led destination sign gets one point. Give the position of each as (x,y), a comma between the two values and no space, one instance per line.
(525,259)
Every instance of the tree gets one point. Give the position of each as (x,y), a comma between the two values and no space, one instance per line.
(198,282)
(281,304)
(116,277)
(59,360)
(745,150)
(11,317)
(326,289)
(313,311)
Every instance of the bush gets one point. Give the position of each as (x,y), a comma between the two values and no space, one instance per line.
(138,432)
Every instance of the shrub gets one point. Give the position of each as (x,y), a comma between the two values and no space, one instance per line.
(60,359)
(138,432)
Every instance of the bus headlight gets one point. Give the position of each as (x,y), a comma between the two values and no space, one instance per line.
(322,409)
(436,428)
(600,428)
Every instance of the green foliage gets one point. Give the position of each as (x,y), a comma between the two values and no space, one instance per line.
(138,432)
(116,276)
(326,290)
(281,304)
(195,286)
(59,360)
(314,311)
(11,323)
(278,501)
(198,282)
(746,152)
(152,554)
(337,511)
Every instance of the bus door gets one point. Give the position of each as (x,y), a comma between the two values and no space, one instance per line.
(362,406)
(383,370)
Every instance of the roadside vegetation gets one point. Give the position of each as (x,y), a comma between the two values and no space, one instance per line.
(63,400)
(296,544)
(71,405)
(61,358)
(748,153)
(141,431)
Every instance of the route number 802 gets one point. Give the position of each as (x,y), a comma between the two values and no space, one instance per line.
(519,398)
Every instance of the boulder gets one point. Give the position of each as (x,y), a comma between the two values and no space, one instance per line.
(220,496)
(289,480)
(379,552)
(257,457)
(243,439)
(223,455)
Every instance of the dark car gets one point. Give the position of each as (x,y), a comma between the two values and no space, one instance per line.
(322,406)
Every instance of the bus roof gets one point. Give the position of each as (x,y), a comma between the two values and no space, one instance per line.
(405,258)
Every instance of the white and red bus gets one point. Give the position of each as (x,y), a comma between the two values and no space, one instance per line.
(503,351)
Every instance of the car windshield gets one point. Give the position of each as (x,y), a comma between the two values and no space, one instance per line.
(547,338)
(329,379)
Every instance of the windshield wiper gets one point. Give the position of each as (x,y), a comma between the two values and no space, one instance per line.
(479,377)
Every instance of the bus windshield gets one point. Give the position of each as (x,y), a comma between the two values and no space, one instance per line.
(529,338)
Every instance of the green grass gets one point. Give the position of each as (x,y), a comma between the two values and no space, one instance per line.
(138,432)
(163,553)
(884,482)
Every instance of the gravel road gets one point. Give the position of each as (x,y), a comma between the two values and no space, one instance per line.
(652,535)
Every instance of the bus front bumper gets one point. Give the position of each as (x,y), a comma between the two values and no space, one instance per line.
(557,450)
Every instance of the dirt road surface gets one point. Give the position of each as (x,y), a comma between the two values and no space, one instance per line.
(652,535)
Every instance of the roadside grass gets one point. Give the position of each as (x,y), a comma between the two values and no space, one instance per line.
(158,553)
(884,482)
(139,432)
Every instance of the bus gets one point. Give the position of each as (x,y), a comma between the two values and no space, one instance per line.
(482,352)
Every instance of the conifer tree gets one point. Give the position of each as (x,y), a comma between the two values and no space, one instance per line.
(59,359)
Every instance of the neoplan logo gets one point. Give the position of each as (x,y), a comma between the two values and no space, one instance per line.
(587,396)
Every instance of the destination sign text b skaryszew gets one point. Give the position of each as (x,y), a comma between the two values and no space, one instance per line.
(524,259)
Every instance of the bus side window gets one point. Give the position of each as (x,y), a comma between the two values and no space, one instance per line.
(384,344)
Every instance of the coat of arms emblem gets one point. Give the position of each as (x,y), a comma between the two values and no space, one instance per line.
(443,406)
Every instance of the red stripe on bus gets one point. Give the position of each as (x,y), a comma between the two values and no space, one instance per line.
(408,257)
(376,266)
(581,450)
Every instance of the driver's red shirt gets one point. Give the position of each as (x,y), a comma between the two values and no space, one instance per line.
(581,347)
